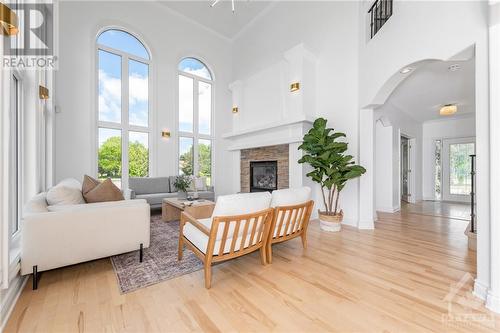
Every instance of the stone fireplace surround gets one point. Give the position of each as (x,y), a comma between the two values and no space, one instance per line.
(279,153)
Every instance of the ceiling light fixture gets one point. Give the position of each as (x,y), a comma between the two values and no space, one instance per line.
(406,70)
(448,109)
(217,1)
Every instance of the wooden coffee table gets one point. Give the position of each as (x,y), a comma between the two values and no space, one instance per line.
(172,208)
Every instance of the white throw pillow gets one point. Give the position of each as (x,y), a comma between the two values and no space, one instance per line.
(200,183)
(67,192)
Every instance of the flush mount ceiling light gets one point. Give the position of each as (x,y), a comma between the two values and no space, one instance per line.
(448,109)
(406,70)
(454,67)
(217,1)
(8,21)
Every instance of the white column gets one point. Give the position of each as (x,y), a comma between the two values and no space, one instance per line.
(366,200)
(493,295)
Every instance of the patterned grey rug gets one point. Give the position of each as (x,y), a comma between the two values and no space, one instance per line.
(160,259)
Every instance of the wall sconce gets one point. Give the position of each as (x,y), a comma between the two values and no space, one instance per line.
(165,134)
(43,92)
(235,109)
(8,21)
(295,86)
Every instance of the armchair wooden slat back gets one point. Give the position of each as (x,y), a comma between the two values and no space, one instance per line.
(289,222)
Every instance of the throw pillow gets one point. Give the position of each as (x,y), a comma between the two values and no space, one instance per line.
(105,191)
(89,184)
(67,192)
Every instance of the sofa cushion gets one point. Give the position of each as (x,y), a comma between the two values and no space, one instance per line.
(147,185)
(290,196)
(88,184)
(171,180)
(105,191)
(155,198)
(67,192)
(241,203)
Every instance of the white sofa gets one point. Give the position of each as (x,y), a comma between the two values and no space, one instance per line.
(61,235)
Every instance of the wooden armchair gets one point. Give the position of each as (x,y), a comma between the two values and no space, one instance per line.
(220,238)
(290,220)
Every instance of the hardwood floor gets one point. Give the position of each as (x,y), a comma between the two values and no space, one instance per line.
(392,279)
(454,210)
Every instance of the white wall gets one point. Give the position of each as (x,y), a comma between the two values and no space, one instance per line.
(384,151)
(330,31)
(401,124)
(441,129)
(170,38)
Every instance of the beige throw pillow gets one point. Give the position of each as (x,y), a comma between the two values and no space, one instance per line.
(105,191)
(89,184)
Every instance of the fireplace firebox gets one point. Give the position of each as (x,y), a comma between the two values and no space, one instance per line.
(263,176)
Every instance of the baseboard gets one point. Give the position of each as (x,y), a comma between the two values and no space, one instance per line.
(388,209)
(350,222)
(480,290)
(493,302)
(10,297)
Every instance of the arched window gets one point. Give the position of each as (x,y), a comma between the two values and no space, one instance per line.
(123,68)
(195,118)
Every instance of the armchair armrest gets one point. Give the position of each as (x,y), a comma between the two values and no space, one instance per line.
(185,217)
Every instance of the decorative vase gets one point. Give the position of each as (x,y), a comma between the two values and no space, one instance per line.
(182,194)
(331,223)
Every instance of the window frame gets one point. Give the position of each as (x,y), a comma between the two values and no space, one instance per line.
(17,167)
(196,135)
(124,126)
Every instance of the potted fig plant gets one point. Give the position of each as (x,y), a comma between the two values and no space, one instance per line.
(332,168)
(182,184)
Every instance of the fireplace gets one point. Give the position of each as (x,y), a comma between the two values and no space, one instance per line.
(263,176)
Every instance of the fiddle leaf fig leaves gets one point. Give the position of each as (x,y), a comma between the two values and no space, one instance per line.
(325,154)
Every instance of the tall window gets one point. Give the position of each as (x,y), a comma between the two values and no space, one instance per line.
(16,186)
(123,108)
(195,119)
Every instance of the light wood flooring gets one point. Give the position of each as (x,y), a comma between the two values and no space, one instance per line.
(392,279)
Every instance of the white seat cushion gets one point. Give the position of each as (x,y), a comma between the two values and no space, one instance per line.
(200,240)
(67,192)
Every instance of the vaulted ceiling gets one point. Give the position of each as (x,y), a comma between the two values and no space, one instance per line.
(220,18)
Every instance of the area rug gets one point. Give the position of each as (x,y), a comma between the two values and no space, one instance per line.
(160,259)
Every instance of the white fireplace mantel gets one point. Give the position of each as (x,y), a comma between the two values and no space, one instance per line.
(281,132)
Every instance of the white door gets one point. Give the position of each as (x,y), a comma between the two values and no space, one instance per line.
(457,168)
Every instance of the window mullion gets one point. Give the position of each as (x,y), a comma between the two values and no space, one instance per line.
(196,106)
(125,121)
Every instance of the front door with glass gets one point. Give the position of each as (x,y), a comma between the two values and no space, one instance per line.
(457,168)
(405,169)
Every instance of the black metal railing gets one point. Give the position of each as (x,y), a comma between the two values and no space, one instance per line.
(380,12)
(473,194)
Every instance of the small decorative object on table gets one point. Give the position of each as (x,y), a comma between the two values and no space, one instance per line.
(182,183)
(331,169)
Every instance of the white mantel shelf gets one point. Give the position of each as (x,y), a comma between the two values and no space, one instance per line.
(235,134)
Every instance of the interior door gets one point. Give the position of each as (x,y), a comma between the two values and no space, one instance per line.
(456,168)
(405,169)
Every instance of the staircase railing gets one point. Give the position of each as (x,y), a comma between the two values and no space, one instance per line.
(379,12)
(473,194)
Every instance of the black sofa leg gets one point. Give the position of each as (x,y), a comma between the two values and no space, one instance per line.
(35,277)
(141,253)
